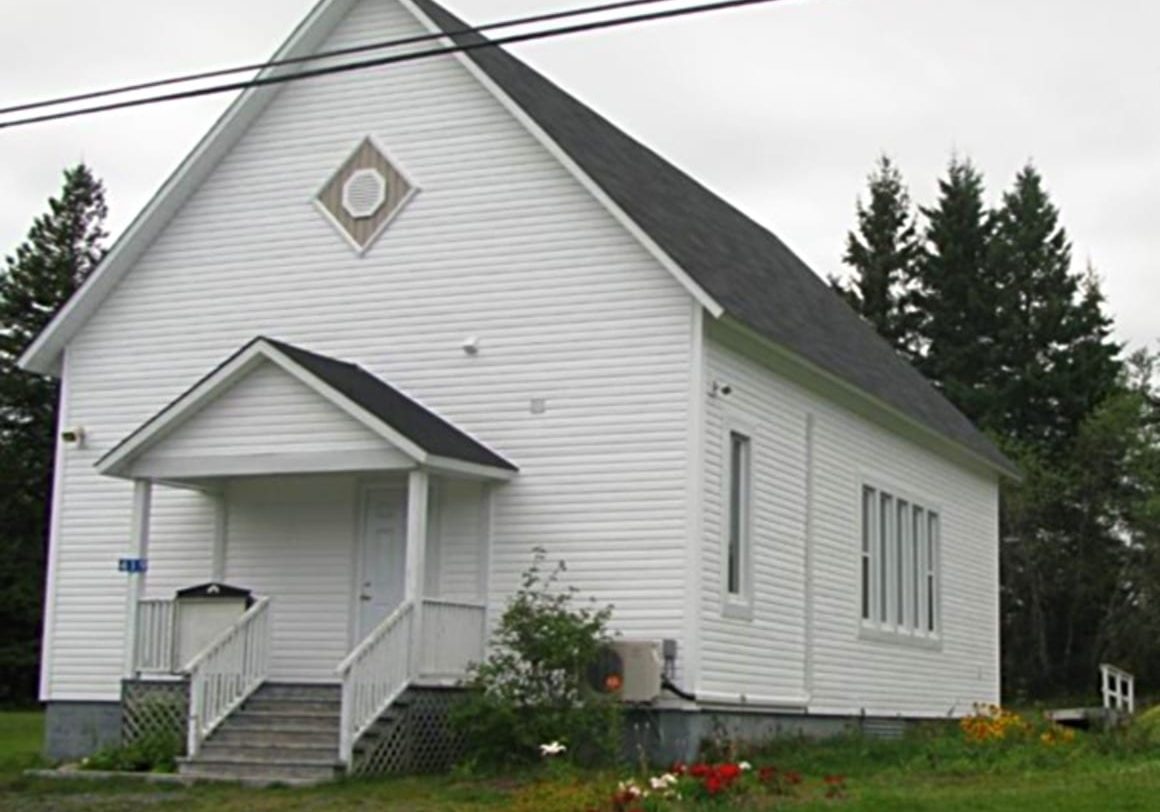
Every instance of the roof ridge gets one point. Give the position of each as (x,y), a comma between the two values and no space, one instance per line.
(755,277)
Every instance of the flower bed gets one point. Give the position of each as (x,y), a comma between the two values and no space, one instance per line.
(723,784)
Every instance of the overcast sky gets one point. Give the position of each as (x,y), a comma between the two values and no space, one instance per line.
(782,108)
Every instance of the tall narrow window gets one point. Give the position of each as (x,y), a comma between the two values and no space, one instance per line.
(868,497)
(902,528)
(898,565)
(738,513)
(917,568)
(885,517)
(932,554)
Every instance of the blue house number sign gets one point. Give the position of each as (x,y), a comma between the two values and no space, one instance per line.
(132,566)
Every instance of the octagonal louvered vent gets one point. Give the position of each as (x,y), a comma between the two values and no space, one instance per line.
(364,194)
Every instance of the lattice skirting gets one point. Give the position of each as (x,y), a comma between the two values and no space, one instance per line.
(413,737)
(154,708)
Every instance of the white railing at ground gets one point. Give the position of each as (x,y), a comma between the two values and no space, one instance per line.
(227,671)
(374,675)
(1118,688)
(155,651)
(453,637)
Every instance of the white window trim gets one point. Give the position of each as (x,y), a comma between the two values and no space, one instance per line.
(737,605)
(914,630)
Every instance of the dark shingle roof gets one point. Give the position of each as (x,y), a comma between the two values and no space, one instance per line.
(426,429)
(745,268)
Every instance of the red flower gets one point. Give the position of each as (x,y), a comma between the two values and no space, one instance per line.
(679,768)
(713,785)
(700,770)
(766,774)
(728,772)
(792,777)
(835,779)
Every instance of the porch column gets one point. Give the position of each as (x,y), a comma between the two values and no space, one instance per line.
(220,525)
(418,492)
(138,551)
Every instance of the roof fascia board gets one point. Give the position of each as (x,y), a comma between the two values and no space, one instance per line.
(387,432)
(743,339)
(42,355)
(469,470)
(145,436)
(683,278)
(118,461)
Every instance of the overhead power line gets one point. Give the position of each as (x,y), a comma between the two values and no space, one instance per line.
(263,81)
(356,49)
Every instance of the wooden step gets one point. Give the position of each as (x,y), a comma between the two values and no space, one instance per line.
(306,736)
(269,753)
(293,705)
(280,720)
(258,772)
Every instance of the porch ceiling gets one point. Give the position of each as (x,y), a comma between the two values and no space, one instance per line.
(272,408)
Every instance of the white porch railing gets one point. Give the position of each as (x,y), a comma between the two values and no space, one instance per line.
(156,650)
(374,675)
(227,671)
(1118,688)
(453,637)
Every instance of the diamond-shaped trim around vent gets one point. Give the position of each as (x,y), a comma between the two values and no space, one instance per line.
(362,197)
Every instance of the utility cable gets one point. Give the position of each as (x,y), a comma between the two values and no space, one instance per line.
(263,81)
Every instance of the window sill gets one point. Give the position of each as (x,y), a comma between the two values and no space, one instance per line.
(737,609)
(900,638)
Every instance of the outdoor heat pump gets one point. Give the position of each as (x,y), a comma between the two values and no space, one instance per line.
(630,670)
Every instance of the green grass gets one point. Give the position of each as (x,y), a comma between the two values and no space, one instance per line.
(927,771)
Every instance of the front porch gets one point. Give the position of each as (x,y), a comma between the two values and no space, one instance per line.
(355,522)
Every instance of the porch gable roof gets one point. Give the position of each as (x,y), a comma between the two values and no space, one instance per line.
(420,434)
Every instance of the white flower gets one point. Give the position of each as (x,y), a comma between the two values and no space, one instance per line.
(661,782)
(745,766)
(629,788)
(552,749)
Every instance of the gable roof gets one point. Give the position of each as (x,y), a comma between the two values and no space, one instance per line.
(744,267)
(733,266)
(419,433)
(426,429)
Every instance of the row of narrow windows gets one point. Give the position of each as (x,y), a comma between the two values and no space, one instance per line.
(899,551)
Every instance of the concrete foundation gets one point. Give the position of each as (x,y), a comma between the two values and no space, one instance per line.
(73,730)
(667,736)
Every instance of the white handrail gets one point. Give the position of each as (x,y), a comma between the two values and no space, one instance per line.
(155,652)
(453,637)
(224,674)
(374,675)
(1118,688)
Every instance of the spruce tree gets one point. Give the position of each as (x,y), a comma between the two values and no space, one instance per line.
(883,253)
(956,296)
(1054,351)
(61,250)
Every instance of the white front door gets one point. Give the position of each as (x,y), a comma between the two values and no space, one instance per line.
(384,556)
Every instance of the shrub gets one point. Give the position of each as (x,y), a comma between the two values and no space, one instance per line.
(153,752)
(532,688)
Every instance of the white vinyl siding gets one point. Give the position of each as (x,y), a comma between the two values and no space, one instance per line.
(268,411)
(502,244)
(899,545)
(764,659)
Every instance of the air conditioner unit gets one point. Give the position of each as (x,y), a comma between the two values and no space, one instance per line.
(631,670)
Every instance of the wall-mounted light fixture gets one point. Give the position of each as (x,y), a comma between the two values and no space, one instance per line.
(73,436)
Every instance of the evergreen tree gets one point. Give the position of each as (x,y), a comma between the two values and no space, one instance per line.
(1054,353)
(883,254)
(61,250)
(956,296)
